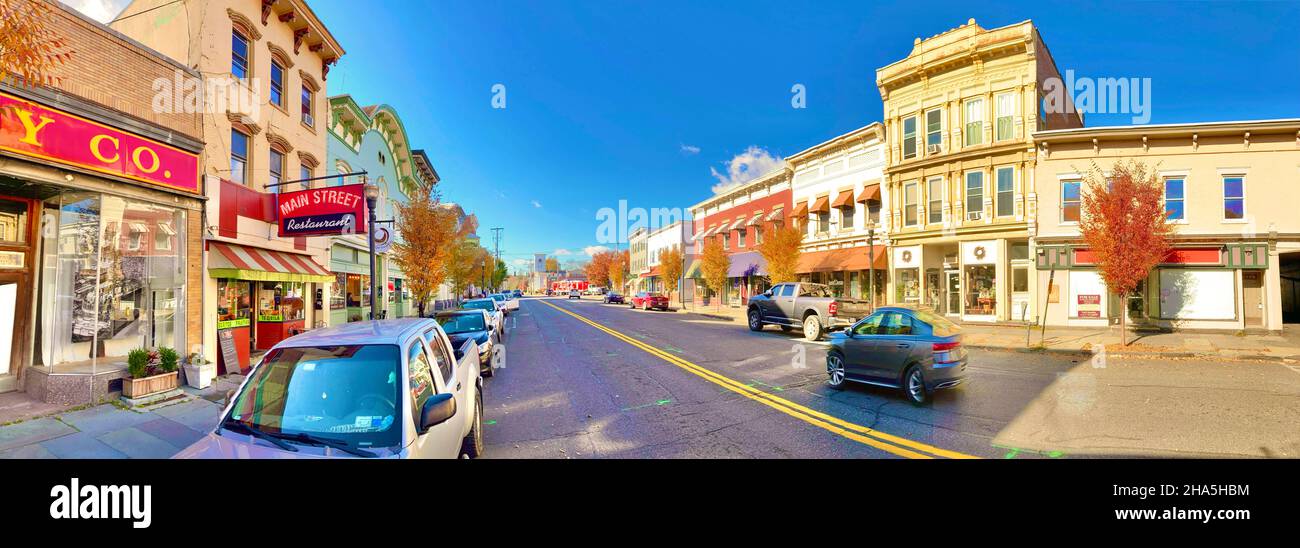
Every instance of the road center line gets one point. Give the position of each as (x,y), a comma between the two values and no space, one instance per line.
(886,442)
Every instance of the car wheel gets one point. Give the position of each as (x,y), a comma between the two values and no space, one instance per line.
(645,306)
(835,370)
(812,327)
(755,320)
(914,386)
(472,446)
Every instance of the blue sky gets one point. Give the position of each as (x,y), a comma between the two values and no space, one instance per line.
(643,101)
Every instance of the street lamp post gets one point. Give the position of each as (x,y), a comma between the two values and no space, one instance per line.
(372,196)
(871,262)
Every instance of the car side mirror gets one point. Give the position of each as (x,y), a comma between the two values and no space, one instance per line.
(437,409)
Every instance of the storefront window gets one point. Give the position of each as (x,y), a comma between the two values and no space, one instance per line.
(981,295)
(392,295)
(110,284)
(280,301)
(354,290)
(234,304)
(908,285)
(338,290)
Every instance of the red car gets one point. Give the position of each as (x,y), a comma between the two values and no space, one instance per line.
(647,300)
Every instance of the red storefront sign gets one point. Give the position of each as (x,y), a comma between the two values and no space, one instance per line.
(29,129)
(1205,256)
(331,210)
(1089,306)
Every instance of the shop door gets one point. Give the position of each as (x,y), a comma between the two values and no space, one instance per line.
(1252,291)
(953,307)
(9,319)
(16,236)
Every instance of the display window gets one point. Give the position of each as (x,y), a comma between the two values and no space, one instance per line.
(234,304)
(908,287)
(981,290)
(280,301)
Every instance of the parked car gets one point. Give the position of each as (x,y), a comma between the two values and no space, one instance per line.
(916,351)
(386,388)
(512,304)
(575,294)
(549,292)
(517,293)
(611,298)
(494,310)
(806,305)
(647,300)
(476,325)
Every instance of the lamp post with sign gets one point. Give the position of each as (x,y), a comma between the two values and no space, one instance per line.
(372,195)
(871,262)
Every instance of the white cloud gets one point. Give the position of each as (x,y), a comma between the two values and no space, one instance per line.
(744,167)
(99,10)
(537,203)
(561,251)
(592,250)
(690,150)
(521,262)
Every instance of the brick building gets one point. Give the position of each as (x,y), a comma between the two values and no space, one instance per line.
(114,184)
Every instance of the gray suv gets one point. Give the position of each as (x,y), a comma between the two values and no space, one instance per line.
(916,351)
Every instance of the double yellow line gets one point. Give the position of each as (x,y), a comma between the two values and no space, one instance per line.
(902,447)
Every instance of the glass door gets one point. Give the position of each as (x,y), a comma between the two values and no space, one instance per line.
(954,293)
(8,317)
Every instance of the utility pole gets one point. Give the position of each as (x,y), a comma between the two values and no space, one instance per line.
(496,246)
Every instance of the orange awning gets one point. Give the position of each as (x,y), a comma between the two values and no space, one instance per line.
(821,206)
(870,193)
(775,214)
(845,199)
(835,260)
(800,211)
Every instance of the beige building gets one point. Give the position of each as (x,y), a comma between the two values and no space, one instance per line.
(1232,190)
(959,113)
(264,65)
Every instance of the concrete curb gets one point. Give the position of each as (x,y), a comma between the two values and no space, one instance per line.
(1142,355)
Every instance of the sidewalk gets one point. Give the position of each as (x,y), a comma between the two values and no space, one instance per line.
(1284,348)
(110,430)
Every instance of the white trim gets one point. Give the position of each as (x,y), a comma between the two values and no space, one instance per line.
(1164,190)
(1015,176)
(943,198)
(916,194)
(1223,197)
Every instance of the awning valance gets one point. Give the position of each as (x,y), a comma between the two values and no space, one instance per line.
(775,214)
(835,260)
(870,193)
(241,262)
(845,199)
(753,221)
(693,271)
(736,225)
(750,263)
(822,205)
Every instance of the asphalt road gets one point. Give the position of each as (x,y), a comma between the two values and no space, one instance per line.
(588,380)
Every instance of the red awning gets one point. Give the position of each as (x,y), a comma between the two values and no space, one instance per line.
(870,193)
(836,260)
(823,205)
(845,199)
(237,261)
(800,211)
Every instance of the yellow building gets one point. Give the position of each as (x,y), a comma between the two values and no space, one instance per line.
(960,112)
(264,65)
(1231,191)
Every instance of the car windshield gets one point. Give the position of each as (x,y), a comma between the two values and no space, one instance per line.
(938,324)
(462,323)
(347,393)
(479,304)
(498,297)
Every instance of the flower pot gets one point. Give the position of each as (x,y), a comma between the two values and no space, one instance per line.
(139,388)
(200,375)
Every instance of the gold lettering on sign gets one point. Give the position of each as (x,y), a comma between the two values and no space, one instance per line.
(94,148)
(33,129)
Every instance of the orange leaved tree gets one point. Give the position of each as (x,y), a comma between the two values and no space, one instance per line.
(714,264)
(30,49)
(1125,225)
(670,268)
(780,248)
(430,234)
(618,265)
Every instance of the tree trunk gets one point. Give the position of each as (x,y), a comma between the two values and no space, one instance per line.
(1123,319)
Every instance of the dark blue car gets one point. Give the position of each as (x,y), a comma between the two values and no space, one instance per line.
(461,325)
(916,351)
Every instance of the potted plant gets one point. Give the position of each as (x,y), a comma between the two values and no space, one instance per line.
(199,372)
(152,372)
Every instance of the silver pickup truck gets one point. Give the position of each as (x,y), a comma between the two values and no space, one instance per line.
(807,305)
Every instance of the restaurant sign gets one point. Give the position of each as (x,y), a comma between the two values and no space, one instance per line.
(29,129)
(325,211)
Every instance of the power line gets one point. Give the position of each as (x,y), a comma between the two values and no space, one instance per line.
(120,18)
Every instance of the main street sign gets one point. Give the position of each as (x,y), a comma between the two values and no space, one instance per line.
(329,211)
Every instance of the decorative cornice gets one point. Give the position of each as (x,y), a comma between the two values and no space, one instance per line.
(280,55)
(244,23)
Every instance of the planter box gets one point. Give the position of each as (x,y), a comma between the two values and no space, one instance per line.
(137,388)
(200,375)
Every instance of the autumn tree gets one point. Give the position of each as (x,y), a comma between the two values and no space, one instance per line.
(499,274)
(618,265)
(714,264)
(552,265)
(780,248)
(30,50)
(598,269)
(465,266)
(1125,225)
(430,235)
(670,267)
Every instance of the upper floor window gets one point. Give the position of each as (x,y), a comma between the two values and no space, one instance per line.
(974,122)
(1006,197)
(307,110)
(1234,198)
(848,215)
(1070,201)
(1006,104)
(238,157)
(909,204)
(933,131)
(975,195)
(277,169)
(909,137)
(726,240)
(239,55)
(1174,200)
(934,208)
(277,84)
(824,222)
(758,235)
(740,237)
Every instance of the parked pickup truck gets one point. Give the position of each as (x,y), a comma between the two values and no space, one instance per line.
(806,305)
